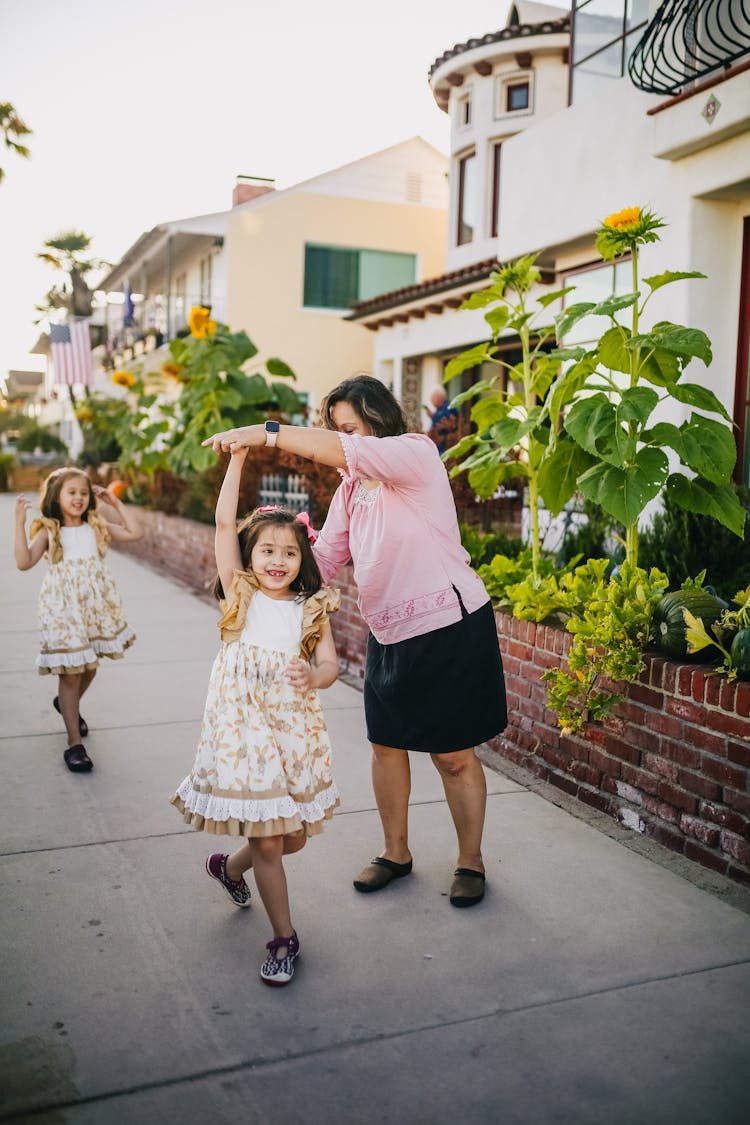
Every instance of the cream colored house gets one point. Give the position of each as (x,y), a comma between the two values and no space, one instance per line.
(286,265)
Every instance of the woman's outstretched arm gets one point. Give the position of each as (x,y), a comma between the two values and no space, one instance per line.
(318,445)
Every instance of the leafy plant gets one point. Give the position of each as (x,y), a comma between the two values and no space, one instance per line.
(484,546)
(512,432)
(611,418)
(723,634)
(33,436)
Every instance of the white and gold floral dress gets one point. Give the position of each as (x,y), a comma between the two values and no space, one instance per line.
(263,766)
(80,612)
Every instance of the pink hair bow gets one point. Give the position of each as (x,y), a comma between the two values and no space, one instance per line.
(301,516)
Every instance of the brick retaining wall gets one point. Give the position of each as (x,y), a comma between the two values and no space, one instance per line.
(673,762)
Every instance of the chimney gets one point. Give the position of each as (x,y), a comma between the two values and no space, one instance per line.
(249,187)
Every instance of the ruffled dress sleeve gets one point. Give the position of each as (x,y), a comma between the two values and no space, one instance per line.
(317,609)
(54,550)
(234,606)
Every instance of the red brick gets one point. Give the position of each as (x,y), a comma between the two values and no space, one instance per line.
(554,757)
(517,685)
(685,680)
(609,784)
(738,801)
(706,833)
(582,771)
(511,666)
(739,753)
(666,724)
(725,818)
(697,852)
(694,783)
(734,726)
(656,764)
(617,747)
(669,679)
(726,696)
(702,739)
(685,709)
(723,772)
(679,752)
(519,650)
(564,783)
(739,875)
(673,795)
(742,699)
(675,841)
(660,809)
(595,800)
(713,690)
(640,779)
(735,846)
(648,696)
(655,666)
(604,762)
(531,708)
(698,687)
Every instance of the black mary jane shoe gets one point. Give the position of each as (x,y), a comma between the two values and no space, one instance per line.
(83,726)
(77,760)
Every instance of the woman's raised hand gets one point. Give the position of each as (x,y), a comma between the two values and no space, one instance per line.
(229,441)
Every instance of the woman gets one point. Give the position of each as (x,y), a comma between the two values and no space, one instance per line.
(433,679)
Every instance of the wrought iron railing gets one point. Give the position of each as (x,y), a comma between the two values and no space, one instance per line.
(687,40)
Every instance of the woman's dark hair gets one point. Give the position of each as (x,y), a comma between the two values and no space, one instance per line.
(372,401)
(308,581)
(49,497)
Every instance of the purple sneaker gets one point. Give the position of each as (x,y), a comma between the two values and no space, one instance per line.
(238,890)
(275,970)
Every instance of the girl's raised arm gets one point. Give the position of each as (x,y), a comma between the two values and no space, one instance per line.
(129,528)
(27,556)
(226,543)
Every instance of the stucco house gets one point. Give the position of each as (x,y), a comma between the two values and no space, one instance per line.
(551,132)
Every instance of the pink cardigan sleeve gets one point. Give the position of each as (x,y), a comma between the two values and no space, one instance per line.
(407,461)
(331,548)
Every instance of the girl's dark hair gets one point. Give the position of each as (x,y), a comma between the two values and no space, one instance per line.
(308,581)
(372,401)
(49,497)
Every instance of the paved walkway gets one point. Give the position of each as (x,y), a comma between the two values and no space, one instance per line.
(592,985)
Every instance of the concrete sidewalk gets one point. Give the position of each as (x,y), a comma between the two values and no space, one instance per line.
(592,985)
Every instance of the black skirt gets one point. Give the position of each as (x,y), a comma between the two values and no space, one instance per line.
(440,692)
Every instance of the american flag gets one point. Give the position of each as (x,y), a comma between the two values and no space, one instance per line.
(70,345)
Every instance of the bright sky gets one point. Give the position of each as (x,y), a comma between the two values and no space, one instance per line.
(146,111)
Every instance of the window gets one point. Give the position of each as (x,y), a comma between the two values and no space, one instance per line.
(206,275)
(603,36)
(337,275)
(595,284)
(467,199)
(495,218)
(516,96)
(464,110)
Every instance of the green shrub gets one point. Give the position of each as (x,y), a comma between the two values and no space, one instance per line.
(483,547)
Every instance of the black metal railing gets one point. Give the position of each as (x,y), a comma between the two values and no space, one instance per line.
(687,40)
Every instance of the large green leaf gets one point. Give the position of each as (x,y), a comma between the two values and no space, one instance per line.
(510,431)
(549,298)
(287,399)
(612,350)
(278,369)
(570,316)
(497,319)
(664,434)
(488,411)
(666,278)
(472,391)
(708,499)
(461,447)
(591,422)
(684,342)
(695,395)
(659,367)
(709,448)
(624,492)
(482,298)
(485,479)
(567,385)
(637,404)
(614,304)
(559,473)
(471,358)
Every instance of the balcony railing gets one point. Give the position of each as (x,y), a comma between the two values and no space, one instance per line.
(687,40)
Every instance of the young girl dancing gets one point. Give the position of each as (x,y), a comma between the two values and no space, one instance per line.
(80,613)
(263,766)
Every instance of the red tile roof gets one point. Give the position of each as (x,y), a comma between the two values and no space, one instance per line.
(476,272)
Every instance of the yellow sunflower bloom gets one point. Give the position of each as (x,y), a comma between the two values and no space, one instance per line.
(198,320)
(623,220)
(172,369)
(123,378)
(623,231)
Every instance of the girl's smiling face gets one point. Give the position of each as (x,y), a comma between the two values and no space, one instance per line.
(74,498)
(275,560)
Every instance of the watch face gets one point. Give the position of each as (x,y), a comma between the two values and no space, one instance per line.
(272,427)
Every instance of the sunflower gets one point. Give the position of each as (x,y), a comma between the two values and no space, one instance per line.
(123,378)
(622,231)
(173,369)
(200,323)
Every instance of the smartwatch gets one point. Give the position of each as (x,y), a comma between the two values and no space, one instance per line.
(272,432)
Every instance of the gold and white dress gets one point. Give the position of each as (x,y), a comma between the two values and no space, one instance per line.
(263,766)
(80,612)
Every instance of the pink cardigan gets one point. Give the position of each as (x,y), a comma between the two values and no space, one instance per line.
(402,537)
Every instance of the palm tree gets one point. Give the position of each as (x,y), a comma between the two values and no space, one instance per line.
(12,127)
(64,253)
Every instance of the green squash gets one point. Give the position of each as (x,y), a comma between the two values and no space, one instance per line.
(740,653)
(669,622)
